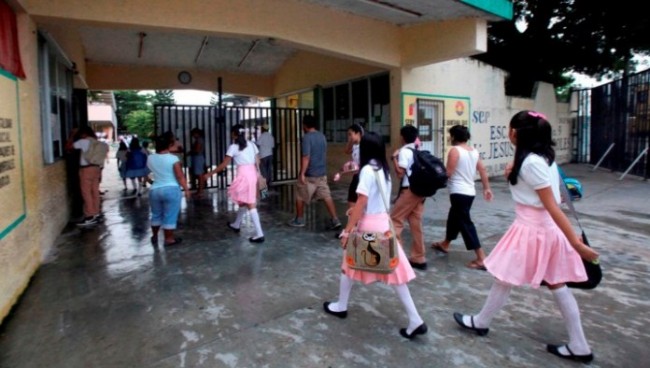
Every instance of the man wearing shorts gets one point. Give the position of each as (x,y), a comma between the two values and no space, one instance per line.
(312,182)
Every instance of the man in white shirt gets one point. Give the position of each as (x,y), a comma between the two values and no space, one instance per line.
(266,143)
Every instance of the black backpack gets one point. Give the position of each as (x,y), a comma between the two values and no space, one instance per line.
(428,174)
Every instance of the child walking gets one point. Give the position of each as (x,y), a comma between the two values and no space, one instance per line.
(540,246)
(370,213)
(355,132)
(243,189)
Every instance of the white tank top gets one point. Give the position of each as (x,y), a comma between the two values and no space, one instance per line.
(462,180)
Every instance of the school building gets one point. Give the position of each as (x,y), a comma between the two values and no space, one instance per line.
(380,63)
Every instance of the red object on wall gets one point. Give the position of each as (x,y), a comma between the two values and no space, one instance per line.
(9,50)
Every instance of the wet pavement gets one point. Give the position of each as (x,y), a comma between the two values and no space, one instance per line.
(107,298)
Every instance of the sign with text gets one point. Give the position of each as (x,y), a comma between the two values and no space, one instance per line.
(12,191)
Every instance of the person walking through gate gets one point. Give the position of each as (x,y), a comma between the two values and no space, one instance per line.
(165,193)
(266,143)
(243,189)
(312,182)
(540,247)
(136,166)
(370,214)
(197,160)
(408,205)
(463,162)
(120,155)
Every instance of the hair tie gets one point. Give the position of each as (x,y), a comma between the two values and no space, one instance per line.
(537,115)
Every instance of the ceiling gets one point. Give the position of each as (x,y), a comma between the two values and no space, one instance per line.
(256,56)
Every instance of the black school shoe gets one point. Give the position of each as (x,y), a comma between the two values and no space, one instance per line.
(421,330)
(337,314)
(555,350)
(420,266)
(480,331)
(256,240)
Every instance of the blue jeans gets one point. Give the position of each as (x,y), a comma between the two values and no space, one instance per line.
(165,206)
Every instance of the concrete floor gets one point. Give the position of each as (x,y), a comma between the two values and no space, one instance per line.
(107,298)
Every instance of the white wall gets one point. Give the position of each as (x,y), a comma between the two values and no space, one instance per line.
(490,108)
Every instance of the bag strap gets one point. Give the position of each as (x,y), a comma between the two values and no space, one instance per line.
(564,193)
(382,191)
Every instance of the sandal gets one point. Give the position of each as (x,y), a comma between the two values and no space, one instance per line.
(476,266)
(438,246)
(175,242)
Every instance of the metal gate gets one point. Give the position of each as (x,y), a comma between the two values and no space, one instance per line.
(285,125)
(613,121)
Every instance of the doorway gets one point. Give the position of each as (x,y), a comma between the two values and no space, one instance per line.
(429,120)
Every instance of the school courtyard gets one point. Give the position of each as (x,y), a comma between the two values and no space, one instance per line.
(107,298)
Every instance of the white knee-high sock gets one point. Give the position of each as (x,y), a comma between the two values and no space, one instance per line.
(240,216)
(496,299)
(571,313)
(345,287)
(255,216)
(414,317)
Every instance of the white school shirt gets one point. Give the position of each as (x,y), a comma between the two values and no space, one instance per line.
(368,187)
(356,154)
(244,157)
(462,180)
(535,173)
(82,144)
(405,161)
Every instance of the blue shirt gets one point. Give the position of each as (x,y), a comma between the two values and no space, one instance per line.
(314,145)
(162,167)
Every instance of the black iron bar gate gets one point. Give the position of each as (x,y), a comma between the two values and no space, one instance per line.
(615,113)
(285,125)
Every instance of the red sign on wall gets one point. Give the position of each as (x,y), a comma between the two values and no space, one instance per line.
(9,50)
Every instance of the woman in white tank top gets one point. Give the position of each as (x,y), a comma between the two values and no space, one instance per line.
(463,162)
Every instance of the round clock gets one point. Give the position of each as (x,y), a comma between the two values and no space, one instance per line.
(184,77)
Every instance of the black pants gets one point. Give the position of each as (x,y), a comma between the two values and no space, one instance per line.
(266,168)
(459,221)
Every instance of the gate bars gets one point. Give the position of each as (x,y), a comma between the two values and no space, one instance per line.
(285,124)
(614,113)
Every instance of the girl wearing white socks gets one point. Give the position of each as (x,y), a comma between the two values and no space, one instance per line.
(243,189)
(370,214)
(540,247)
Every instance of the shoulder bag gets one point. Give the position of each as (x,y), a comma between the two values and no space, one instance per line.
(373,251)
(593,270)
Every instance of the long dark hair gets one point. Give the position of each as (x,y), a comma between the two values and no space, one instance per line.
(356,128)
(240,135)
(372,147)
(533,136)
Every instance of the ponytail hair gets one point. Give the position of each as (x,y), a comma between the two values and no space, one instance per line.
(534,135)
(239,133)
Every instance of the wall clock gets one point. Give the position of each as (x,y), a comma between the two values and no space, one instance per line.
(184,77)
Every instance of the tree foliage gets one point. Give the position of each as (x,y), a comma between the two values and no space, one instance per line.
(135,109)
(597,38)
(163,97)
(140,122)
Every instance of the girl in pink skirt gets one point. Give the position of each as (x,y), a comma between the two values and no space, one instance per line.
(540,247)
(243,189)
(370,214)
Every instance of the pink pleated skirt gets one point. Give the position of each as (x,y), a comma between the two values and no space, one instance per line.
(244,188)
(402,274)
(533,250)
